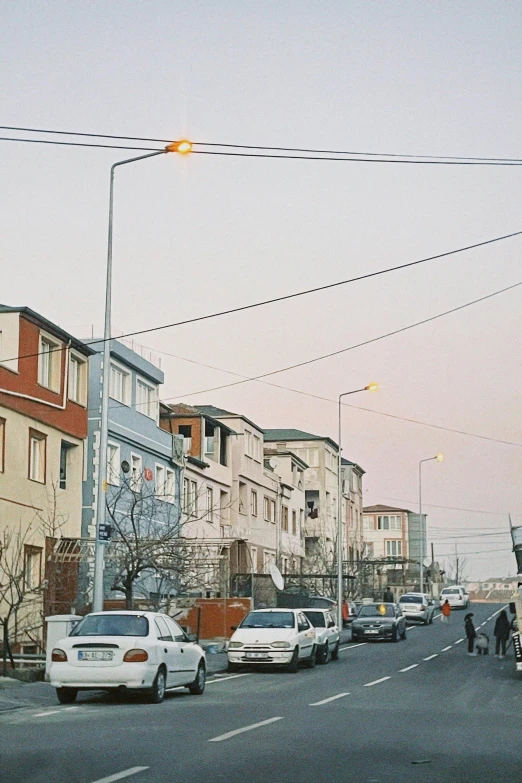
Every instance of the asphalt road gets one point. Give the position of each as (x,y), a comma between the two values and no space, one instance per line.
(419,711)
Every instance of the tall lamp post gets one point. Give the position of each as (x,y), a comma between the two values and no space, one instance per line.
(439,457)
(340,527)
(183,148)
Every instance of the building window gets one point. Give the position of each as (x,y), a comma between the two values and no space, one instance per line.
(37,456)
(170,486)
(253,557)
(113,464)
(159,481)
(32,566)
(136,473)
(119,384)
(186,494)
(269,509)
(193,498)
(49,363)
(367,523)
(301,522)
(248,443)
(284,518)
(393,522)
(242,497)
(284,565)
(64,463)
(77,379)
(210,504)
(147,399)
(2,445)
(253,503)
(294,522)
(257,448)
(268,560)
(394,549)
(186,431)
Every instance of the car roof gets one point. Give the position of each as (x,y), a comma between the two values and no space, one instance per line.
(380,603)
(134,612)
(315,609)
(276,609)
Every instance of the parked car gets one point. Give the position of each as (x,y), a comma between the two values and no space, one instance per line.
(417,607)
(127,650)
(379,621)
(284,637)
(456,595)
(321,602)
(327,638)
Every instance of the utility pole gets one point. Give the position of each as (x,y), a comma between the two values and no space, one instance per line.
(432,568)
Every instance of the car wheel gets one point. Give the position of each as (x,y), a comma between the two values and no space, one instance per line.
(157,692)
(198,686)
(312,660)
(233,667)
(335,652)
(66,695)
(294,662)
(323,655)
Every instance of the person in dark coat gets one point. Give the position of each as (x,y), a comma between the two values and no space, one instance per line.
(471,633)
(501,631)
(388,596)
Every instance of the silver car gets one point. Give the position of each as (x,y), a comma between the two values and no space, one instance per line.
(327,636)
(417,607)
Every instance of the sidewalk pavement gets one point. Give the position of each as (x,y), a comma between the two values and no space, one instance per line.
(16,695)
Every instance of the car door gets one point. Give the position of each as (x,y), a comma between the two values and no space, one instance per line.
(169,649)
(306,636)
(189,653)
(333,634)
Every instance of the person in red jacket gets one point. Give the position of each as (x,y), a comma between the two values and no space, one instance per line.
(446,611)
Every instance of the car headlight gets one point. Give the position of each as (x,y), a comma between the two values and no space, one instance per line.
(284,645)
(234,645)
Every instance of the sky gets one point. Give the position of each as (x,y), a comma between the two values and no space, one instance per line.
(205,233)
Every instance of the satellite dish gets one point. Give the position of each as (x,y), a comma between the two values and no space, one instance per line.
(273,463)
(125,466)
(277,578)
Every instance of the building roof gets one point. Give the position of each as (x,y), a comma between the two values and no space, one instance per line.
(380,508)
(184,411)
(268,452)
(357,467)
(56,330)
(221,413)
(283,435)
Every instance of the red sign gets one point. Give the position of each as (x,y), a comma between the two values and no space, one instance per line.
(148,474)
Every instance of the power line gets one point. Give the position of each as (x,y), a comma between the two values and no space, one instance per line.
(450,508)
(351,347)
(268,147)
(306,292)
(283,156)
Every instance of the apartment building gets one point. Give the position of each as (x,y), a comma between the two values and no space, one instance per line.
(394,533)
(43,426)
(352,477)
(144,461)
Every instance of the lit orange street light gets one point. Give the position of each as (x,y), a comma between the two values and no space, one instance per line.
(183,147)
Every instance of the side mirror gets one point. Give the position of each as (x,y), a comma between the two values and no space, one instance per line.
(233,627)
(192,637)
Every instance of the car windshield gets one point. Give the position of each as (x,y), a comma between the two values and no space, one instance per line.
(376,610)
(317,619)
(268,620)
(410,599)
(112,625)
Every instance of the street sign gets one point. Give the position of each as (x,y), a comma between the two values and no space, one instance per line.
(104,532)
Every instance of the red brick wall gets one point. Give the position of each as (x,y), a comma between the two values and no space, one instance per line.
(217,616)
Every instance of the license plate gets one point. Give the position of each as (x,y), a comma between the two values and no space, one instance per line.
(371,632)
(94,655)
(256,655)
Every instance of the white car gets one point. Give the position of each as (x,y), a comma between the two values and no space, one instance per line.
(456,596)
(284,637)
(327,636)
(418,607)
(127,650)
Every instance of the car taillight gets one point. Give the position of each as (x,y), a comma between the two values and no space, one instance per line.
(135,656)
(58,656)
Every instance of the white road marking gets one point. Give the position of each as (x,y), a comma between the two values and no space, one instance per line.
(447,648)
(430,657)
(458,641)
(120,775)
(376,682)
(407,669)
(351,646)
(325,701)
(437,615)
(230,734)
(224,679)
(53,712)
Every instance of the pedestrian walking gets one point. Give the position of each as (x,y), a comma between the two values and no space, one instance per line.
(471,633)
(445,612)
(501,632)
(388,596)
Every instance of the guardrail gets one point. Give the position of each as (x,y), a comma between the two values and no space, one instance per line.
(23,660)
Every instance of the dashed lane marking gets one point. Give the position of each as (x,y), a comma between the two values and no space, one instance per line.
(351,646)
(444,649)
(430,657)
(230,734)
(408,668)
(325,701)
(376,682)
(225,679)
(120,775)
(458,641)
(53,712)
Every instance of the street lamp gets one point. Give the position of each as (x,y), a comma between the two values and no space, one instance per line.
(182,147)
(440,458)
(372,387)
